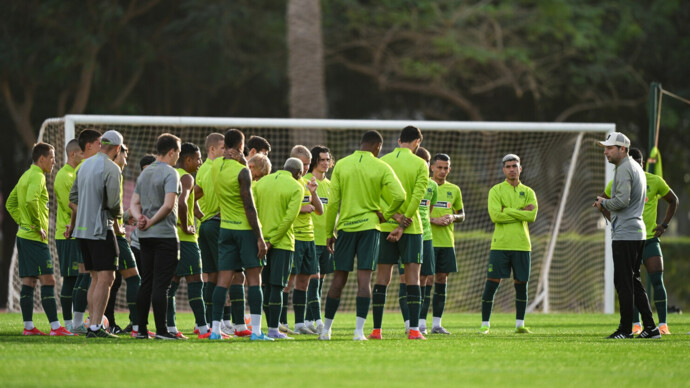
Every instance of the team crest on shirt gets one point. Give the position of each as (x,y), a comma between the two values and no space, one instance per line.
(449,194)
(522,193)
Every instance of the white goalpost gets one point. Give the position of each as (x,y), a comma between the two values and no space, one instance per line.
(572,269)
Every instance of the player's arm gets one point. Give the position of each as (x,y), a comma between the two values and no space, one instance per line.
(198,192)
(245,180)
(421,182)
(167,208)
(112,190)
(333,209)
(62,201)
(73,203)
(529,212)
(12,206)
(33,198)
(498,216)
(622,198)
(187,183)
(315,200)
(606,195)
(291,214)
(672,200)
(197,210)
(397,192)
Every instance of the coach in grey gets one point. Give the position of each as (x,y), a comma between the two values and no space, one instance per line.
(154,206)
(628,192)
(96,194)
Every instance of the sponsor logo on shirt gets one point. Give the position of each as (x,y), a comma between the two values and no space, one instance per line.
(446,205)
(424,203)
(306,199)
(324,200)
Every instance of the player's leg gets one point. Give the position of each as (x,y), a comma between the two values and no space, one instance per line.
(402,297)
(166,256)
(248,258)
(325,267)
(497,268)
(208,244)
(654,263)
(69,269)
(521,262)
(171,311)
(343,264)
(281,264)
(307,268)
(367,248)
(312,302)
(388,257)
(26,304)
(109,312)
(640,298)
(104,254)
(238,304)
(411,251)
(285,294)
(196,302)
(445,264)
(146,253)
(426,281)
(79,298)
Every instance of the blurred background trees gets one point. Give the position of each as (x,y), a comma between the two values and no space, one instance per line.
(519,60)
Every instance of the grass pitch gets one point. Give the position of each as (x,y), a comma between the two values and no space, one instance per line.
(565,350)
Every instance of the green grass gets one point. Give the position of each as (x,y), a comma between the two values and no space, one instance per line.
(565,350)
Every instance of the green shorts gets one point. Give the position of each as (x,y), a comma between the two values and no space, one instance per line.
(237,250)
(34,258)
(277,270)
(407,250)
(652,248)
(445,260)
(325,260)
(429,263)
(208,244)
(126,258)
(304,260)
(364,244)
(69,254)
(501,263)
(190,259)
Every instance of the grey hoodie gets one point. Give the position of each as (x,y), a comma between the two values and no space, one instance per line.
(628,194)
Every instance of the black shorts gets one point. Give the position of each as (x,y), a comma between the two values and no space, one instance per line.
(100,255)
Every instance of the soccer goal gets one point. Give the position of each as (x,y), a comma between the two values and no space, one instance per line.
(571,259)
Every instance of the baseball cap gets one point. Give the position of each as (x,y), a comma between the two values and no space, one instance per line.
(616,139)
(111,138)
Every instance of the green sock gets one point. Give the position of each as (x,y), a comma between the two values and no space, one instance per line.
(331,307)
(284,310)
(26,303)
(520,300)
(362,306)
(79,296)
(237,303)
(133,284)
(378,297)
(414,304)
(402,300)
(275,306)
(439,302)
(488,299)
(255,298)
(66,296)
(227,313)
(171,303)
(219,296)
(426,302)
(299,303)
(196,302)
(312,300)
(266,289)
(657,279)
(48,302)
(209,288)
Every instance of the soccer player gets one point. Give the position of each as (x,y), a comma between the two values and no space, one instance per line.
(256,145)
(321,162)
(28,206)
(259,165)
(356,186)
(278,202)
(448,211)
(189,265)
(428,268)
(68,248)
(153,206)
(512,205)
(89,143)
(96,193)
(651,256)
(401,236)
(126,263)
(628,192)
(305,262)
(204,192)
(240,242)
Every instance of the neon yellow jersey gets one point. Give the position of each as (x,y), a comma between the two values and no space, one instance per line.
(190,211)
(413,174)
(304,226)
(448,201)
(208,203)
(511,232)
(28,204)
(430,198)
(656,188)
(323,192)
(62,186)
(278,200)
(224,175)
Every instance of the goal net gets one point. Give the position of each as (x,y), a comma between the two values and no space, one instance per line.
(561,162)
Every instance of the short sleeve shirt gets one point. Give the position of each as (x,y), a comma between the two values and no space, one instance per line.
(153,184)
(449,200)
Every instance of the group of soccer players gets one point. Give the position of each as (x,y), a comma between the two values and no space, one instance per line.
(228,225)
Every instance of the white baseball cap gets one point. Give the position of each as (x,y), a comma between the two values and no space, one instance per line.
(616,139)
